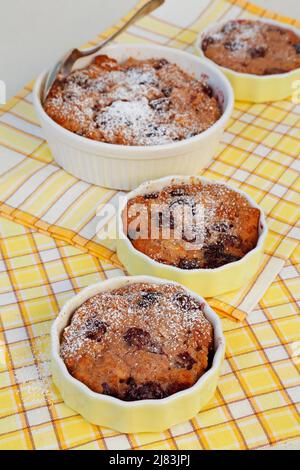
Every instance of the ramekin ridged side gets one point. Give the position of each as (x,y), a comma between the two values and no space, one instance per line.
(207,282)
(250,87)
(135,416)
(125,167)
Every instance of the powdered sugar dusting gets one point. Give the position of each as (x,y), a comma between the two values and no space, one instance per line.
(243,34)
(167,313)
(255,47)
(136,103)
(192,226)
(134,120)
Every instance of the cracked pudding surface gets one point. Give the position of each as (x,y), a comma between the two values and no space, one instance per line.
(141,341)
(192,225)
(253,47)
(137,102)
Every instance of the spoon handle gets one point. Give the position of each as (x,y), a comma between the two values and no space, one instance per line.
(65,65)
(143,11)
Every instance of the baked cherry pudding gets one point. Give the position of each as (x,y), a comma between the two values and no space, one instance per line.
(142,341)
(196,225)
(137,102)
(253,47)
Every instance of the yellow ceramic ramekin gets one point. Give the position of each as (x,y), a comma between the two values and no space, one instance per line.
(135,416)
(255,88)
(207,282)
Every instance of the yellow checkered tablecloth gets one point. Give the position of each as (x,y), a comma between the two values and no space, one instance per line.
(41,266)
(257,400)
(258,154)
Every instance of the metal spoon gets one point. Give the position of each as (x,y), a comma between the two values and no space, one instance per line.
(65,65)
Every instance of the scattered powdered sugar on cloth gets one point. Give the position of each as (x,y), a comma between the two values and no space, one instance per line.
(35,380)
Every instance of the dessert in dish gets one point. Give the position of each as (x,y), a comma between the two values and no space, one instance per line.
(253,47)
(125,166)
(137,102)
(193,225)
(152,415)
(139,341)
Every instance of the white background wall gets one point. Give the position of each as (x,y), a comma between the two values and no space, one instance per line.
(33,33)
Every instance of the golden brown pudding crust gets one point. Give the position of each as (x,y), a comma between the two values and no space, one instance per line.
(253,47)
(226,230)
(137,342)
(147,102)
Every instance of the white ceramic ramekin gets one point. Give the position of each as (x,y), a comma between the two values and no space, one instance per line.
(135,416)
(208,282)
(250,87)
(125,167)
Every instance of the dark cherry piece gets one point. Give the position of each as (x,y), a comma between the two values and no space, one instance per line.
(151,195)
(231,45)
(160,64)
(185,302)
(297,47)
(184,361)
(107,390)
(137,337)
(148,298)
(146,391)
(207,42)
(214,254)
(215,257)
(96,330)
(259,51)
(207,89)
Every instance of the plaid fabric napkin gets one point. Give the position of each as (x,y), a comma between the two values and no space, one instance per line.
(258,154)
(258,395)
